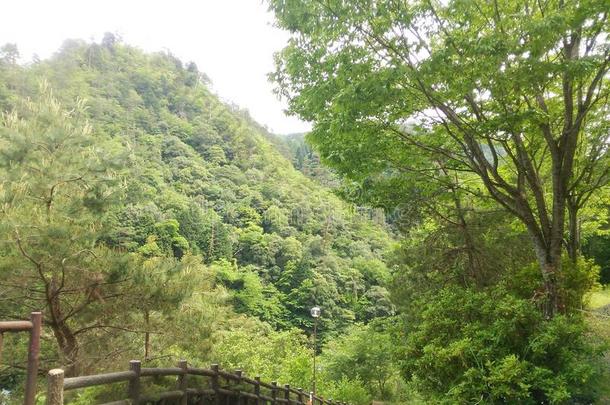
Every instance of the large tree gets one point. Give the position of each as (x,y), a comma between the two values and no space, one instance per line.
(58,182)
(509,96)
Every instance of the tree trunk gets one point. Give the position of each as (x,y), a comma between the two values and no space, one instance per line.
(69,348)
(474,265)
(550,267)
(573,243)
(65,337)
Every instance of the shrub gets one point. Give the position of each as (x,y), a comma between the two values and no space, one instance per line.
(492,347)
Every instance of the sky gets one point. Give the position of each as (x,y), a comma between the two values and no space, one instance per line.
(232,41)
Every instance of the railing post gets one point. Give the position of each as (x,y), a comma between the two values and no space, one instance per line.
(133,386)
(274,392)
(183,382)
(238,373)
(287,393)
(300,394)
(55,387)
(33,356)
(216,384)
(257,390)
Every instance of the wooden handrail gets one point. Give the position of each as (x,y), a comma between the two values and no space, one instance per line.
(149,372)
(278,394)
(15,326)
(98,379)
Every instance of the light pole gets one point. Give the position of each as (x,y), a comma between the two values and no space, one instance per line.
(315,314)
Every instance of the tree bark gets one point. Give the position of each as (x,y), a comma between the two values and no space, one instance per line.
(573,242)
(69,348)
(65,337)
(550,267)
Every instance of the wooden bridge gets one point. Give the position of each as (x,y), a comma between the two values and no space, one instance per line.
(193,386)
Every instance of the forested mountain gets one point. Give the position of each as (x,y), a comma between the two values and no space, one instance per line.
(307,161)
(141,212)
(448,211)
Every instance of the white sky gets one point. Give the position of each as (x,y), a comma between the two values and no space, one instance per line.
(232,41)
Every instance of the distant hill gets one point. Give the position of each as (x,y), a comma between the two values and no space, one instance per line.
(307,161)
(286,241)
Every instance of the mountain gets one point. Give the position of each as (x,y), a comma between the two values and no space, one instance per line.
(204,173)
(307,161)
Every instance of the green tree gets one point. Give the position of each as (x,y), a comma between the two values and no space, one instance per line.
(9,53)
(59,179)
(508,92)
(365,354)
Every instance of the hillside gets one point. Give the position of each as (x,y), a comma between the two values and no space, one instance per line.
(202,188)
(307,161)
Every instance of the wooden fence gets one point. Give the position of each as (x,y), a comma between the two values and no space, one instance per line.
(194,386)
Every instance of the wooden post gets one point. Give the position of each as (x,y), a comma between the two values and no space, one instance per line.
(183,382)
(287,393)
(238,373)
(216,384)
(133,386)
(257,390)
(274,392)
(33,356)
(300,394)
(55,387)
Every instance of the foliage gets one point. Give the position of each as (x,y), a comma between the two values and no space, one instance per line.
(477,333)
(502,100)
(481,126)
(147,219)
(348,390)
(365,354)
(60,180)
(491,346)
(274,356)
(598,248)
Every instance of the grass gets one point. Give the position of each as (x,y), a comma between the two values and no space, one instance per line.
(600,326)
(599,298)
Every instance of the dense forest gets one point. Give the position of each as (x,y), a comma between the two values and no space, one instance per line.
(449,210)
(482,128)
(147,219)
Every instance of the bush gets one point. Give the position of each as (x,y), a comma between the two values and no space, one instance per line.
(347,390)
(492,347)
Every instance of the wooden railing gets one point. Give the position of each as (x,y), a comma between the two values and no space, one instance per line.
(33,326)
(222,388)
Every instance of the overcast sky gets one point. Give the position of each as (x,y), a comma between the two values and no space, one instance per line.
(232,41)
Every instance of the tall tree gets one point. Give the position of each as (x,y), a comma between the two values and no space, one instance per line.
(513,93)
(58,181)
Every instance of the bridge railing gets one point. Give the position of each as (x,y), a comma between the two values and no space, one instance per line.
(223,387)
